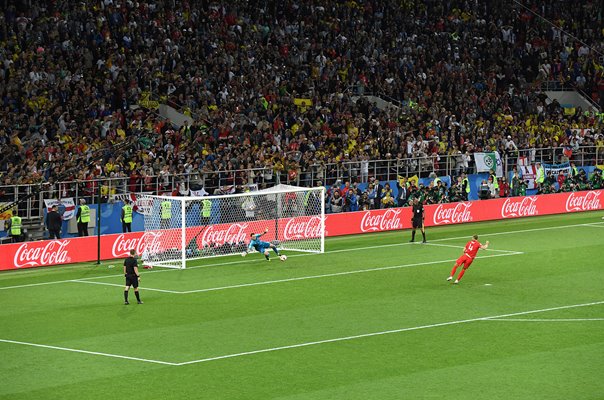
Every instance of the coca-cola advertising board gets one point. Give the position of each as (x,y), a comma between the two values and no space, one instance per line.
(71,250)
(84,249)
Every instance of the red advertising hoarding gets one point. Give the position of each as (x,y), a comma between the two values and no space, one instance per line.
(64,251)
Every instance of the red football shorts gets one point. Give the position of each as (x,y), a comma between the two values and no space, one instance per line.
(465,260)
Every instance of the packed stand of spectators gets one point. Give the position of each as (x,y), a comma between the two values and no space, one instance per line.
(571,182)
(465,74)
(350,196)
(565,180)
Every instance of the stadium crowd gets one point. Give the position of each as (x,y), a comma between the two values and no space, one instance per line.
(350,197)
(463,76)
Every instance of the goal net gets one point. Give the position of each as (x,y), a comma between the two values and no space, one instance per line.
(190,228)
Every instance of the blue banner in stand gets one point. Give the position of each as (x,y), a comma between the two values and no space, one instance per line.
(555,169)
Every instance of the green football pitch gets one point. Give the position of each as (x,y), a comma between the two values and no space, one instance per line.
(372,318)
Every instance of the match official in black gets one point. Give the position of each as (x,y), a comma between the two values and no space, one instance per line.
(54,223)
(132,276)
(418,219)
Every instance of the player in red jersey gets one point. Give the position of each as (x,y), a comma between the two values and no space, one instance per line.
(469,254)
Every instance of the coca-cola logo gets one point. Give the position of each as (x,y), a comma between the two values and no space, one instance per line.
(583,202)
(51,252)
(219,235)
(308,228)
(382,221)
(148,243)
(452,213)
(522,207)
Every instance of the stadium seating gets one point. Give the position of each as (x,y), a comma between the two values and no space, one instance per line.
(279,85)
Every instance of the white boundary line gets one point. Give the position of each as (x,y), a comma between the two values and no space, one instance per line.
(303,255)
(116,284)
(360,271)
(415,328)
(300,278)
(353,249)
(90,279)
(595,225)
(463,247)
(94,353)
(306,344)
(35,284)
(546,320)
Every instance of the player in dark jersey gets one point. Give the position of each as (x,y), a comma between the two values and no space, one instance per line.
(468,256)
(132,276)
(417,221)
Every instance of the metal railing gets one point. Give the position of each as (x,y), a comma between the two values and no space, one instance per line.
(558,86)
(581,156)
(325,173)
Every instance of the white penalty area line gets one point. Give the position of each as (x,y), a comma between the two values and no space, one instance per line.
(94,353)
(118,285)
(360,271)
(463,247)
(301,278)
(306,344)
(546,319)
(595,225)
(35,284)
(90,281)
(301,255)
(351,249)
(365,335)
(116,275)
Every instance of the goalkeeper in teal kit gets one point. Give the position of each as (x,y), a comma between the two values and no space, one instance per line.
(260,246)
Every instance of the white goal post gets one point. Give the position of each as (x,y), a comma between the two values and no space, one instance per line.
(189,228)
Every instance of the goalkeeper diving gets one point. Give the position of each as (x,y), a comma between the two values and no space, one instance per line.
(260,246)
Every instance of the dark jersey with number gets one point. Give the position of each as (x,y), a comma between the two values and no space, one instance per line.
(418,212)
(130,263)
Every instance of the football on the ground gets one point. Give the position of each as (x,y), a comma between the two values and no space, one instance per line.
(282,257)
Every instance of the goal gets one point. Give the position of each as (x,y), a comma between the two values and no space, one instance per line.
(190,228)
